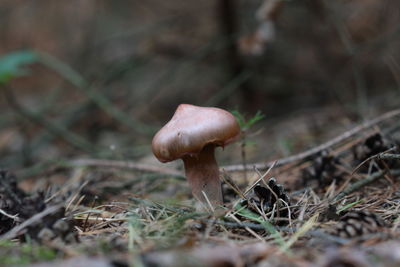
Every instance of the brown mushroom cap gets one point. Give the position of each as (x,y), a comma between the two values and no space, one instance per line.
(191,128)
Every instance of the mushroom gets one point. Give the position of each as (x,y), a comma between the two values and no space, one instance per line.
(192,134)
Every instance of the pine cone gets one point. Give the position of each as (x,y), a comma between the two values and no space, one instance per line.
(323,170)
(265,200)
(15,201)
(358,223)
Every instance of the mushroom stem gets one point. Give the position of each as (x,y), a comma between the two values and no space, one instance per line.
(203,175)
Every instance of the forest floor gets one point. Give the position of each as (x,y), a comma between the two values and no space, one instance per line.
(335,204)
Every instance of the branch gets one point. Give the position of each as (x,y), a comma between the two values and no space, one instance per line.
(124,165)
(367,180)
(308,153)
(389,156)
(378,156)
(16,231)
(260,166)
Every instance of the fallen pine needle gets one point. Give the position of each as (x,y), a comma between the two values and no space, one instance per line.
(302,231)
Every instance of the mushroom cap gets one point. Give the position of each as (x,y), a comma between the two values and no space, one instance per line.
(191,128)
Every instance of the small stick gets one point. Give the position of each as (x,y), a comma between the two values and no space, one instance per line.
(232,168)
(17,229)
(228,180)
(248,229)
(208,201)
(13,217)
(303,155)
(87,217)
(389,156)
(376,156)
(260,179)
(367,180)
(124,165)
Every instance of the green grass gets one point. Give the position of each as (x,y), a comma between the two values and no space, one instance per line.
(158,224)
(246,213)
(12,253)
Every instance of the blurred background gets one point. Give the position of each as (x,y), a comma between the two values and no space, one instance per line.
(105,75)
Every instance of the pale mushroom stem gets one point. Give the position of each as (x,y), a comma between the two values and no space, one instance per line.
(203,175)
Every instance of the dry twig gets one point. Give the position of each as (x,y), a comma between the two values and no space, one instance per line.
(13,233)
(367,180)
(317,149)
(124,165)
